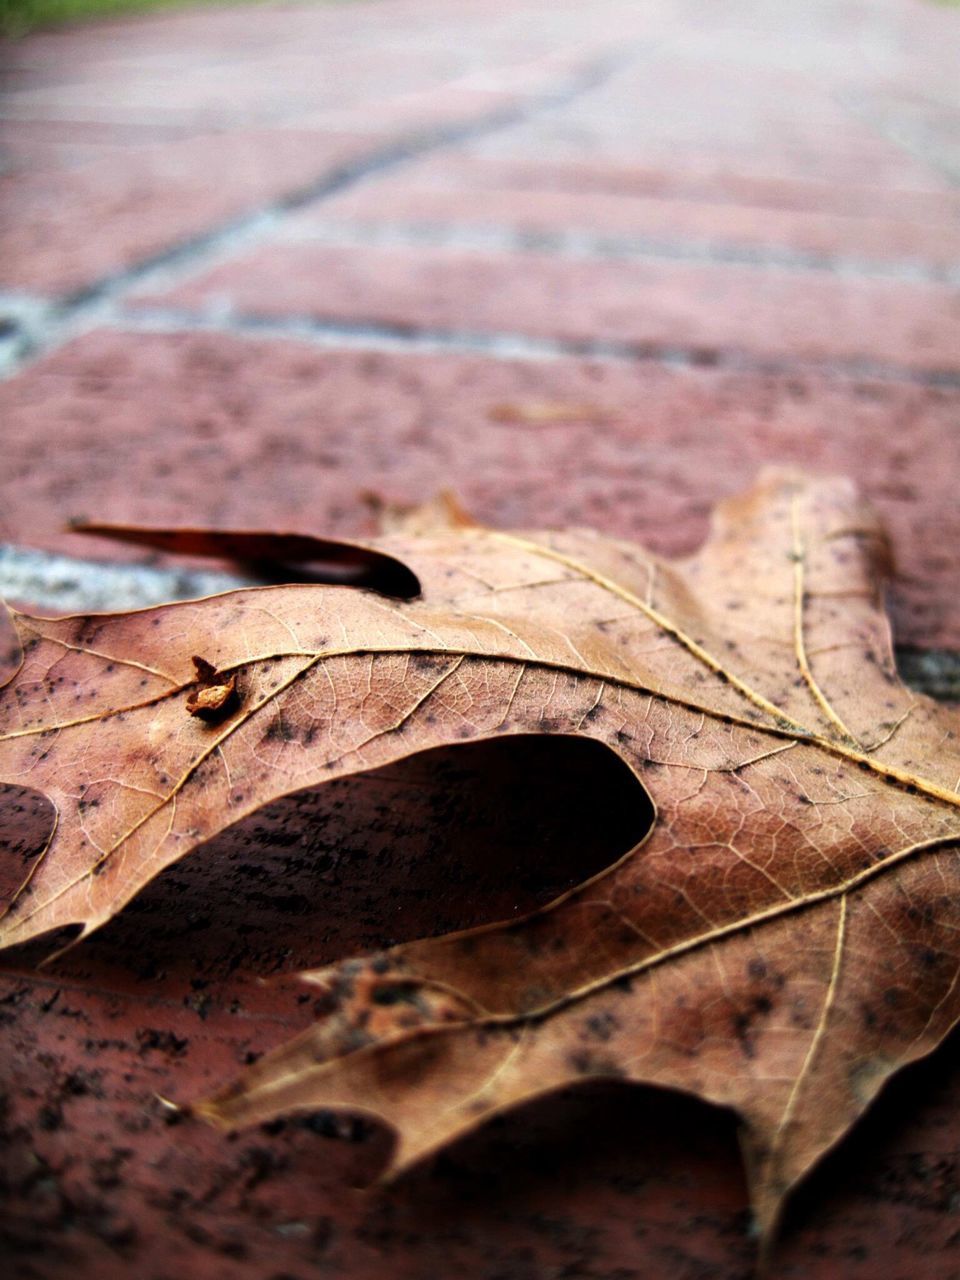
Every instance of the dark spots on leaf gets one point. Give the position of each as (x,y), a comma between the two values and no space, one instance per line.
(601,1026)
(924,915)
(279,730)
(428,662)
(745,1023)
(397,994)
(584,1063)
(580,1061)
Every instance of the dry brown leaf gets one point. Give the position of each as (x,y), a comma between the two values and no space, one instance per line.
(783,940)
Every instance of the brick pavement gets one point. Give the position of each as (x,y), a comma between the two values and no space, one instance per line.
(584,263)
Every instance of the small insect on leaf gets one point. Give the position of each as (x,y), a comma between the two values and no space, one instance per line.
(216,694)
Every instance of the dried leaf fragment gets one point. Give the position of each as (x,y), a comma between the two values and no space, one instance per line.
(547,413)
(216,693)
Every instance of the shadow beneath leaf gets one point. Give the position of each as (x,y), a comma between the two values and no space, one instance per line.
(26,821)
(447,839)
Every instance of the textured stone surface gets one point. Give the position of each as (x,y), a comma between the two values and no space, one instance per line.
(238,113)
(465,199)
(506,163)
(707,309)
(193,428)
(73,227)
(760,200)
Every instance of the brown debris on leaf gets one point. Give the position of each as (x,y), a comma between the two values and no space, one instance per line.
(216,694)
(781,942)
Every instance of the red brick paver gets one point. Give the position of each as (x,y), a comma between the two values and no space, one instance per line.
(707,311)
(586,264)
(148,429)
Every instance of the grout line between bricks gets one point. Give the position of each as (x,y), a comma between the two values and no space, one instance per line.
(34,326)
(413,340)
(587,246)
(69,584)
(49,580)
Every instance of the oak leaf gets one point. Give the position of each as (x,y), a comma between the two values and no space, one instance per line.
(782,941)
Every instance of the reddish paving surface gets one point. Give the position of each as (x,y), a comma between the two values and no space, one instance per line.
(584,264)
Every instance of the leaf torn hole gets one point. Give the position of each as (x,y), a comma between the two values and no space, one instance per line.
(26,824)
(447,839)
